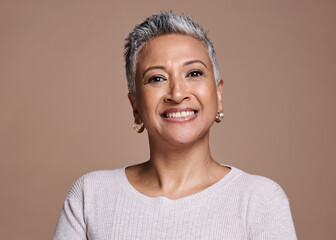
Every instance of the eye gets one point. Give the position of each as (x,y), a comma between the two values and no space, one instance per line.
(156,79)
(195,73)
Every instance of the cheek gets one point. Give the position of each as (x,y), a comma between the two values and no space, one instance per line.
(208,96)
(149,101)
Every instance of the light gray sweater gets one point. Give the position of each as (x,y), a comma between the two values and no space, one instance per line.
(103,205)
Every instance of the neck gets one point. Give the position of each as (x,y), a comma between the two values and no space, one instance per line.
(177,167)
(176,171)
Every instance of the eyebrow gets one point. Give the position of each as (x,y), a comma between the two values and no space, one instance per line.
(152,68)
(194,61)
(184,64)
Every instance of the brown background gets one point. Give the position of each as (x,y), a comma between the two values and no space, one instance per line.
(64,108)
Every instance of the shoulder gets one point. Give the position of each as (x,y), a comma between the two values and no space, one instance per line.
(257,186)
(267,209)
(95,181)
(101,176)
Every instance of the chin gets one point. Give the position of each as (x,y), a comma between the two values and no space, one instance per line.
(185,138)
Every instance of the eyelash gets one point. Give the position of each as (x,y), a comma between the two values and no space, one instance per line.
(192,74)
(155,78)
(197,72)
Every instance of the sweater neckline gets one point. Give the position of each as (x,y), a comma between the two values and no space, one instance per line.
(207,192)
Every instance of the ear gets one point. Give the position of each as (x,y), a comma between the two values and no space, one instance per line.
(219,95)
(133,102)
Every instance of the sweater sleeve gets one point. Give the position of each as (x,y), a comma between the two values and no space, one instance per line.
(269,215)
(71,223)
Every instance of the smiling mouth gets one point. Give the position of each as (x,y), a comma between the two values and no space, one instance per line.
(181,114)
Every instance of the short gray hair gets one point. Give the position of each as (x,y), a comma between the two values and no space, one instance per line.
(157,25)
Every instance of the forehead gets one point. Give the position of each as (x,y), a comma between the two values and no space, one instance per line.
(172,48)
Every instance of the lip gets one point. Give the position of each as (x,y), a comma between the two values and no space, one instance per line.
(179,119)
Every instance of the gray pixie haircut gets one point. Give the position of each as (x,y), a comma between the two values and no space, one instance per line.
(161,24)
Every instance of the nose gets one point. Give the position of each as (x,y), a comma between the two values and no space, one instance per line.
(177,91)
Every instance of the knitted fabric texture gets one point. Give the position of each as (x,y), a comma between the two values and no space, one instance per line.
(103,205)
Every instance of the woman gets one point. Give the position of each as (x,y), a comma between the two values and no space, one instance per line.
(181,192)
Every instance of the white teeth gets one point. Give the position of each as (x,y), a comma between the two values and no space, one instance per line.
(180,114)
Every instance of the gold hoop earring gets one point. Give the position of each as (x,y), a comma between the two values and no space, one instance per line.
(139,128)
(219,117)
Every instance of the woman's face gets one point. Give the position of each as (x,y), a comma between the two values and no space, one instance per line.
(176,95)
